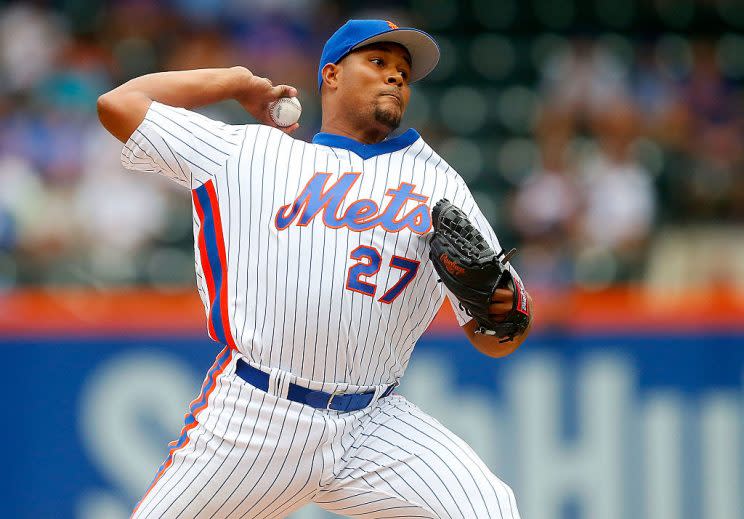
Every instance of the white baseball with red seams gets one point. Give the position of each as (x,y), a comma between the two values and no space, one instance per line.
(285,111)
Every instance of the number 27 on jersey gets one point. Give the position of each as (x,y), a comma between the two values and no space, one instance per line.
(369,261)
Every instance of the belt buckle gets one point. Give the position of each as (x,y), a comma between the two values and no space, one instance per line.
(330,400)
(390,389)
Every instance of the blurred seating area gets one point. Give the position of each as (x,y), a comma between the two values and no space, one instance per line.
(602,138)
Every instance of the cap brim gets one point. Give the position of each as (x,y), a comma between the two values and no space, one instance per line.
(422,47)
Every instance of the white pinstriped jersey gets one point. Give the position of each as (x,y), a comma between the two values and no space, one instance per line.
(310,257)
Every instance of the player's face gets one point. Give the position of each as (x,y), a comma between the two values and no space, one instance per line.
(375,82)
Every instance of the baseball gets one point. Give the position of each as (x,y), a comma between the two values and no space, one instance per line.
(286,111)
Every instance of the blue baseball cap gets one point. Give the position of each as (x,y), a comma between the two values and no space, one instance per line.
(354,34)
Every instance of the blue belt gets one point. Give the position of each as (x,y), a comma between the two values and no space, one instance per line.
(344,402)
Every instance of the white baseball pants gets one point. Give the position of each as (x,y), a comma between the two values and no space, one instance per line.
(245,453)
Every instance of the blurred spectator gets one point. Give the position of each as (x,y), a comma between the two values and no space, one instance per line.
(657,95)
(716,136)
(546,205)
(583,78)
(30,40)
(620,201)
(21,201)
(120,212)
(204,49)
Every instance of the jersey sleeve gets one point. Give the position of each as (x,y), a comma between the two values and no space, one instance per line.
(182,145)
(463,198)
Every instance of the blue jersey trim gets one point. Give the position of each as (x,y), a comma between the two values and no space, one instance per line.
(367,151)
(215,265)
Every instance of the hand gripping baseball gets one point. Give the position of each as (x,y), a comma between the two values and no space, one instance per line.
(475,274)
(257,93)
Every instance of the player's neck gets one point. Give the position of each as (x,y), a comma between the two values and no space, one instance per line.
(367,135)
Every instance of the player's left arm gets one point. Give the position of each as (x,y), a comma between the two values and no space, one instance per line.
(502,301)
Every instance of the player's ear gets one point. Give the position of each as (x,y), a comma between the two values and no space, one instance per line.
(330,75)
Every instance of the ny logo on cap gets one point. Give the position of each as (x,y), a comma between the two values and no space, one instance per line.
(391,24)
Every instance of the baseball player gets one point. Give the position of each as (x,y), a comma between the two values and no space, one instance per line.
(312,263)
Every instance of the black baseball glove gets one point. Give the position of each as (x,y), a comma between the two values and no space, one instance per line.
(471,270)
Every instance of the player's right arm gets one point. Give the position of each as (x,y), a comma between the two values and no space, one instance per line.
(123,109)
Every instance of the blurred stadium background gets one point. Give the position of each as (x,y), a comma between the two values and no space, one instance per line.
(603,138)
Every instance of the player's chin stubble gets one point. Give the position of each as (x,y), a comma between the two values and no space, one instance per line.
(388,117)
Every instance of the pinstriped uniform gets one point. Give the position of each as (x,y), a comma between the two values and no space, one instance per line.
(312,264)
